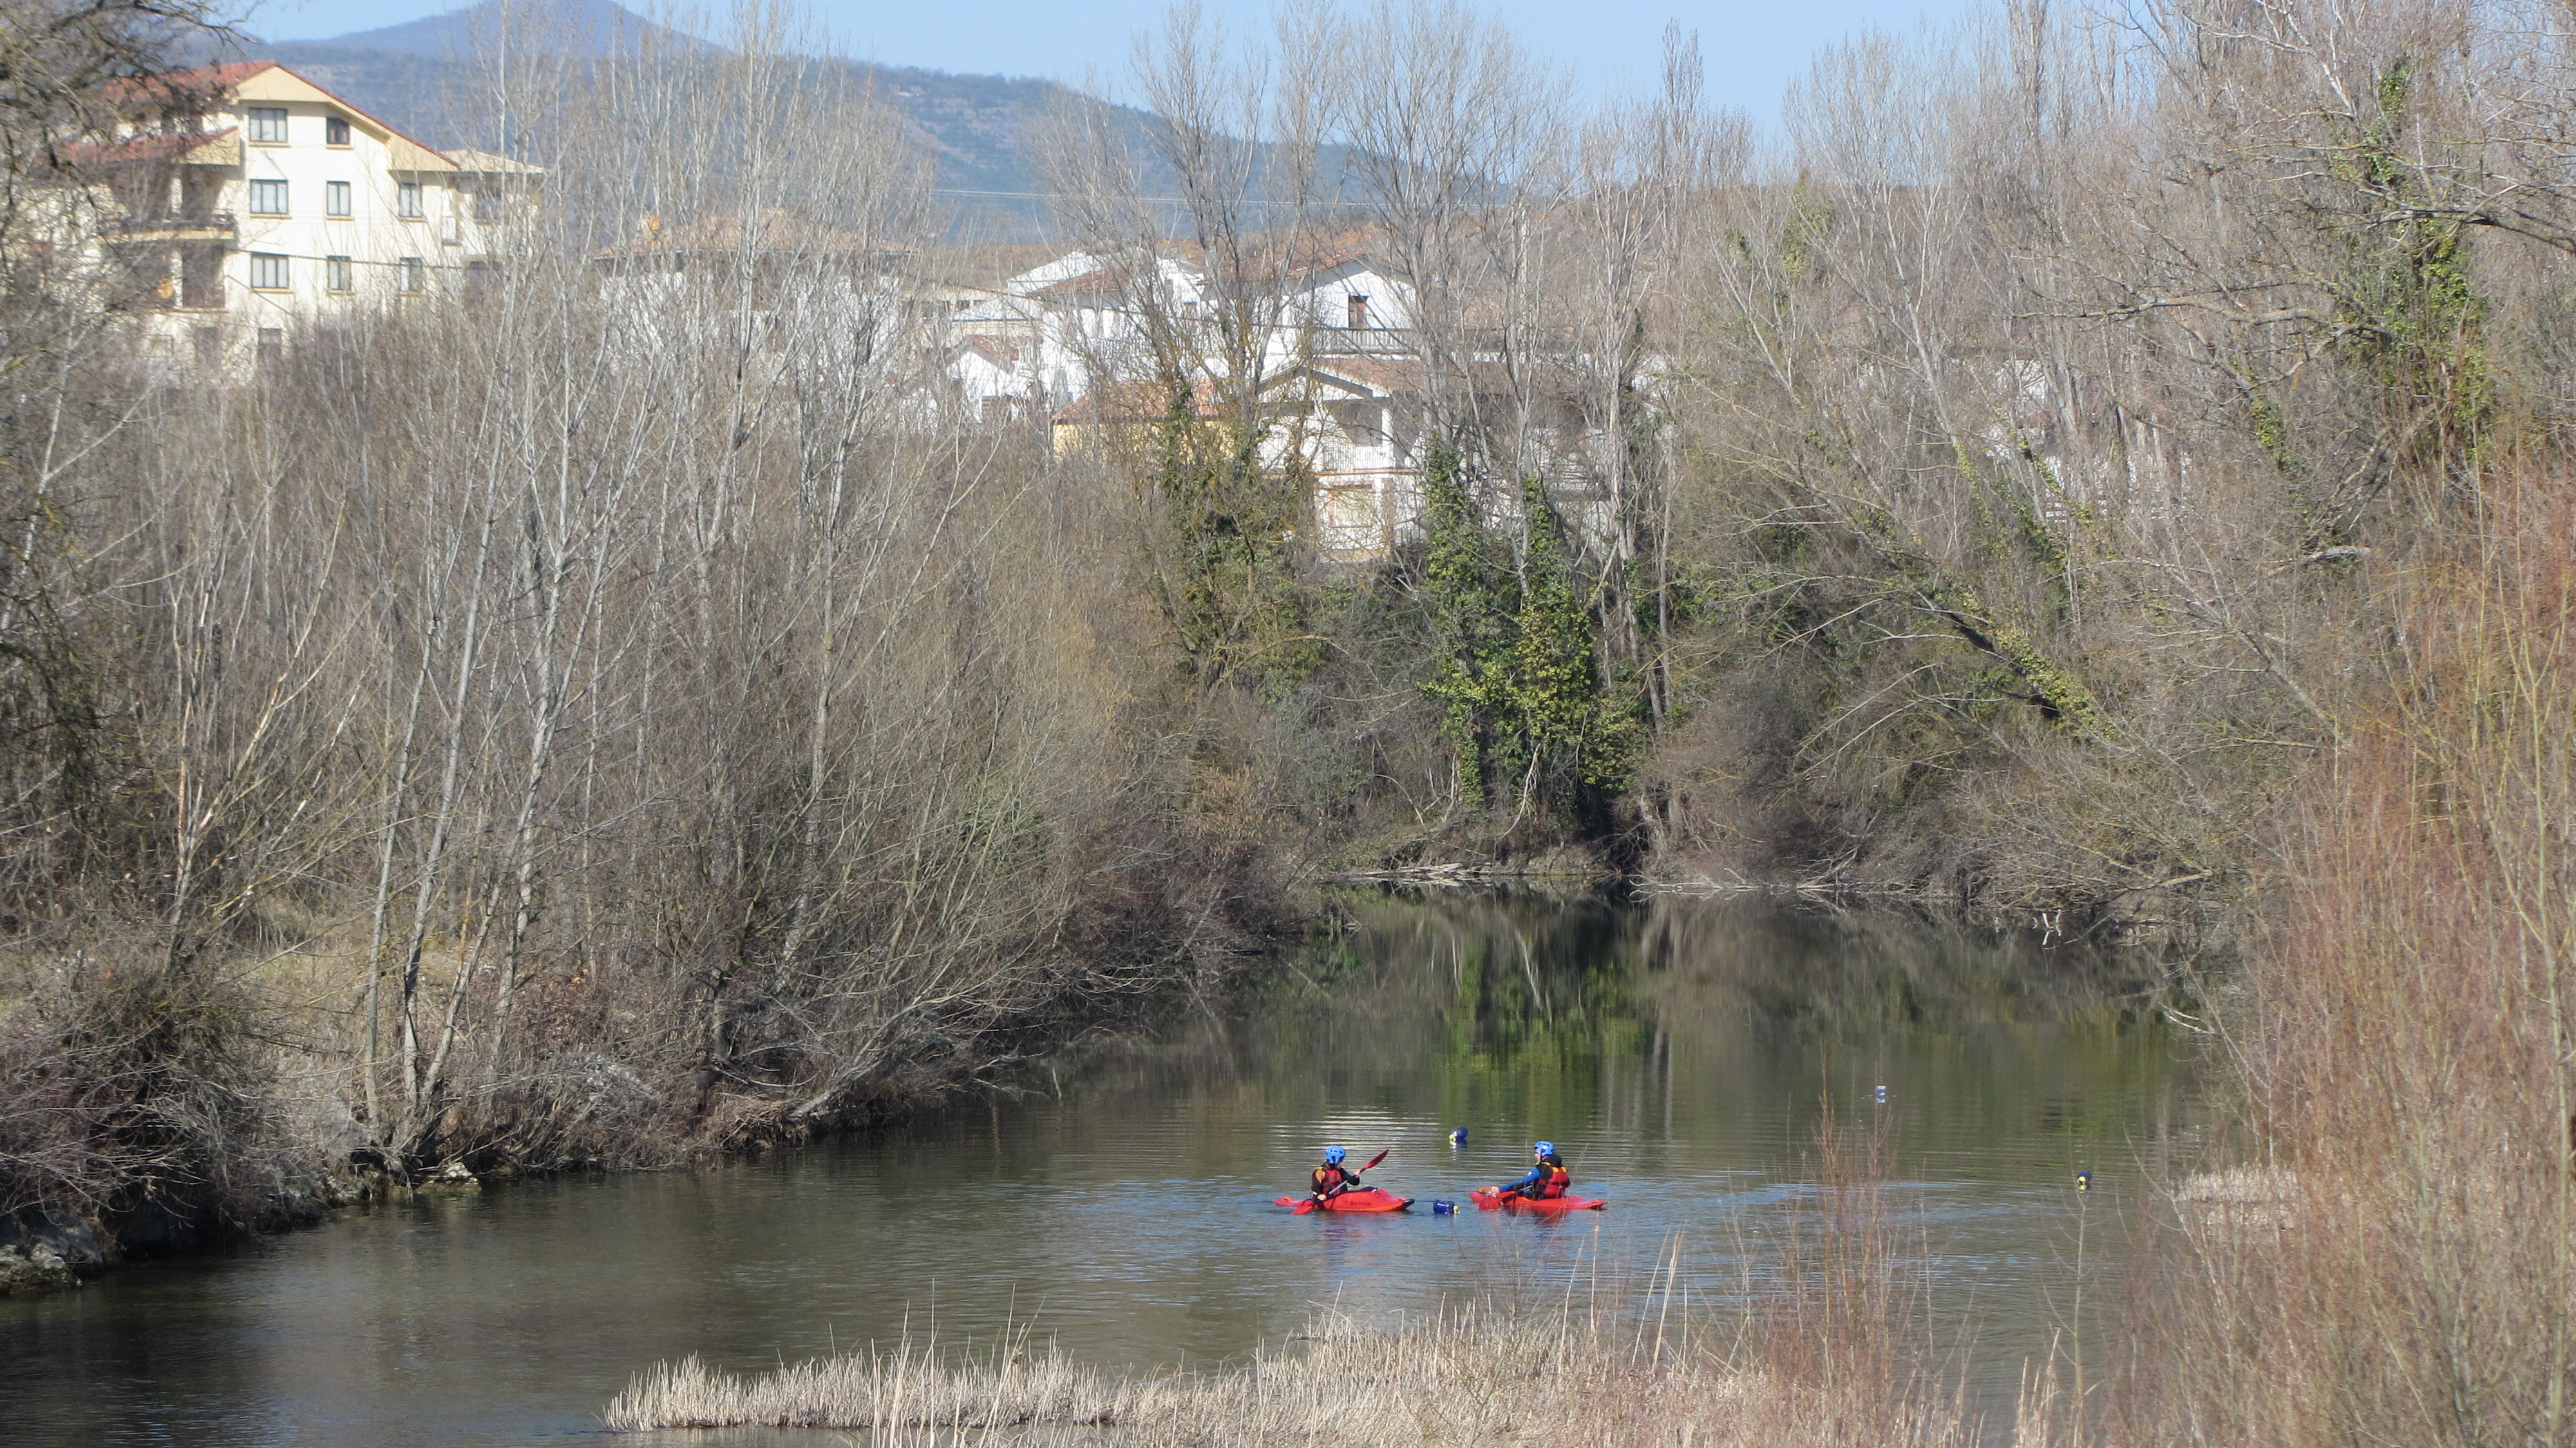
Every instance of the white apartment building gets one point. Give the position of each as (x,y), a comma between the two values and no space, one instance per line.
(255,204)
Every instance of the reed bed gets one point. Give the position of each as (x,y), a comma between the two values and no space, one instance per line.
(1469,1375)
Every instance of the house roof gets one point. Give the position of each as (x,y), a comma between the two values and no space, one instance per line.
(1330,261)
(1372,375)
(265,80)
(1130,402)
(1097,281)
(486,164)
(201,85)
(991,269)
(1109,275)
(992,349)
(770,229)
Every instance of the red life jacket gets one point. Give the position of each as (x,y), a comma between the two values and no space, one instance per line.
(1552,1182)
(1329,1177)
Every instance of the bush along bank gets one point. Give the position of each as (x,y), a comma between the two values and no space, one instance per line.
(122,1135)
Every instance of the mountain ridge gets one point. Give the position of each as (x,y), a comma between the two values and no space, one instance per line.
(413,74)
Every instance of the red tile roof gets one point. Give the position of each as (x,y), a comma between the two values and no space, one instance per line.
(1129,402)
(208,84)
(204,83)
(1101,279)
(1368,371)
(771,230)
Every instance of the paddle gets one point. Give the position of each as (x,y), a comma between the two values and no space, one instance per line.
(1309,1203)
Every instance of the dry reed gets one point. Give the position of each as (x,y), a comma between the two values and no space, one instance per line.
(2400,1269)
(1464,1376)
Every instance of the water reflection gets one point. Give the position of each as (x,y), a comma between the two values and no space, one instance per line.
(1679,1052)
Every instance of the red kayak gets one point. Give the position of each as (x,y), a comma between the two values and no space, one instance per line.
(1490,1198)
(1365,1199)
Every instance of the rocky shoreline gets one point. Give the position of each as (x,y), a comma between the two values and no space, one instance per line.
(48,1250)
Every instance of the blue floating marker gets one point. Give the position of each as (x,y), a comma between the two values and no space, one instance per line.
(1442,1207)
(1458,1136)
(1882,1095)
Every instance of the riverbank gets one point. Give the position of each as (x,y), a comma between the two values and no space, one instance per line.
(149,1179)
(1680,1050)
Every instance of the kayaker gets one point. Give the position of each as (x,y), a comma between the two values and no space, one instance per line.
(1332,1178)
(1547,1180)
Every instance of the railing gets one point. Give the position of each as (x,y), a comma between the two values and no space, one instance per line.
(222,221)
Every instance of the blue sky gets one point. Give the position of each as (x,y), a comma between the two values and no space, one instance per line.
(1751,47)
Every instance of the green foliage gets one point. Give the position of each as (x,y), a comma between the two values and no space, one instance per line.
(1467,587)
(2015,525)
(1231,591)
(1810,219)
(2409,311)
(1517,671)
(1570,723)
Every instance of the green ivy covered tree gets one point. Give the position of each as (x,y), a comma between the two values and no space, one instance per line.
(1469,590)
(1229,584)
(1524,703)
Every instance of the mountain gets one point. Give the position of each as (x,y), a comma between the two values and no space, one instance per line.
(583,27)
(414,74)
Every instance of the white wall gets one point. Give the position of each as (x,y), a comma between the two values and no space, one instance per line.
(375,236)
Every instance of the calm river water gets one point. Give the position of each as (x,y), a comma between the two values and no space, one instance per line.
(1678,1051)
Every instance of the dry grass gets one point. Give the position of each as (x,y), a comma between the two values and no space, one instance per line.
(1465,1377)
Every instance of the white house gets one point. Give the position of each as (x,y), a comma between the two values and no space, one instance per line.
(1356,424)
(994,376)
(767,283)
(249,203)
(1347,302)
(1076,321)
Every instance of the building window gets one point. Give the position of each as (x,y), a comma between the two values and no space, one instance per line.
(1358,306)
(209,342)
(411,274)
(268,125)
(407,200)
(272,346)
(335,130)
(201,276)
(335,198)
(335,273)
(267,272)
(268,198)
(147,271)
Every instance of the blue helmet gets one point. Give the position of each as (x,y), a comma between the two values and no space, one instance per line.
(1333,1155)
(1543,1148)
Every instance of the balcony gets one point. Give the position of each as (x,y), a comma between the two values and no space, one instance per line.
(189,226)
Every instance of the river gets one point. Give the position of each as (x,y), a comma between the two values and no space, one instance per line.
(1679,1052)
